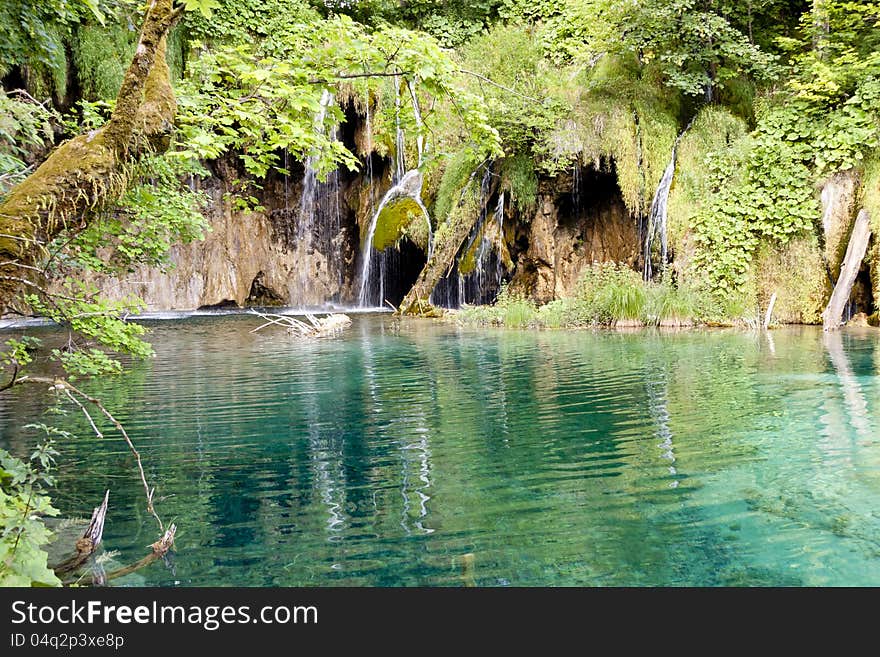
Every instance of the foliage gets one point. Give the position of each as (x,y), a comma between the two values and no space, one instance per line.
(518,86)
(156,212)
(26,130)
(827,119)
(623,119)
(871,202)
(101,55)
(511,309)
(451,23)
(796,273)
(34,33)
(23,502)
(612,291)
(459,169)
(238,99)
(606,294)
(78,307)
(521,181)
(272,24)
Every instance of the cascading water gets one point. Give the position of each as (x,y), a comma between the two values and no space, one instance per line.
(481,285)
(420,148)
(656,226)
(409,188)
(318,226)
(400,153)
(377,266)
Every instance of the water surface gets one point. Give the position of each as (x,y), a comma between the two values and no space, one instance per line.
(555,458)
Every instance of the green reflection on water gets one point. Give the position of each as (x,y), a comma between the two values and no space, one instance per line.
(556,458)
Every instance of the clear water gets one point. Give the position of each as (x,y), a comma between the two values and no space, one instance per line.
(555,458)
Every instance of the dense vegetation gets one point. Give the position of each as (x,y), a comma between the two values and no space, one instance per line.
(769,98)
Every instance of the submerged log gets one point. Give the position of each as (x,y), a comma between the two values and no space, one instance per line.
(157,550)
(88,542)
(832,317)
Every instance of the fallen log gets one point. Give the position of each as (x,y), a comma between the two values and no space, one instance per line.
(314,327)
(157,550)
(832,317)
(448,243)
(88,542)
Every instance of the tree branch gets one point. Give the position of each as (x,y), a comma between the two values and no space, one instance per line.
(67,387)
(350,76)
(500,86)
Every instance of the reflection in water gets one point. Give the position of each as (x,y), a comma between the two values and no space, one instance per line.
(405,452)
(853,395)
(658,407)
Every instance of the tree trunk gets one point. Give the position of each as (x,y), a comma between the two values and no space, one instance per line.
(93,168)
(855,253)
(448,242)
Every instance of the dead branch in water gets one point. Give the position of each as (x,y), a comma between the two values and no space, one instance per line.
(88,542)
(157,550)
(315,327)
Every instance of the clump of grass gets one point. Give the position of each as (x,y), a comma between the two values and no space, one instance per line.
(671,305)
(610,292)
(511,309)
(607,294)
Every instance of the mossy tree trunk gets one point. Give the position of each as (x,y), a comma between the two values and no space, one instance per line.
(849,269)
(448,241)
(91,169)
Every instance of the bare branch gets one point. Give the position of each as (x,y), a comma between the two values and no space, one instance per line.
(350,76)
(500,86)
(11,382)
(38,288)
(67,387)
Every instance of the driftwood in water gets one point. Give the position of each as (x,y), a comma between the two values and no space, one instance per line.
(88,542)
(157,550)
(832,317)
(315,326)
(769,314)
(467,570)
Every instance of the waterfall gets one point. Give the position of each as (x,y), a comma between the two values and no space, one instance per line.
(417,115)
(310,180)
(318,223)
(408,188)
(657,218)
(656,225)
(499,219)
(420,147)
(400,153)
(481,285)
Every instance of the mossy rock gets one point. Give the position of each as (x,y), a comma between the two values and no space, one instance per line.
(392,222)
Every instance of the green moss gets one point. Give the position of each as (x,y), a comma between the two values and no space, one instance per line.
(521,181)
(714,135)
(624,118)
(176,50)
(456,175)
(394,220)
(101,56)
(871,203)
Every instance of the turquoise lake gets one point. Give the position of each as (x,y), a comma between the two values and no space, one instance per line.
(555,458)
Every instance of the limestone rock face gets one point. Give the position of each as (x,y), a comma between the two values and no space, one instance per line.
(568,233)
(241,249)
